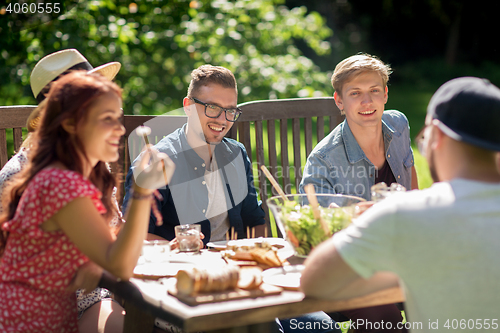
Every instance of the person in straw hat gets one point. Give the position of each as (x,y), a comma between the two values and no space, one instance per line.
(96,310)
(47,70)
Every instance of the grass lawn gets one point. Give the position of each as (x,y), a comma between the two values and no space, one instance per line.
(413,103)
(423,174)
(344,326)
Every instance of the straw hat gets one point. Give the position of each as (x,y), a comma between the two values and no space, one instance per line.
(50,67)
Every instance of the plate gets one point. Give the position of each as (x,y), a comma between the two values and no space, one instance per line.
(159,270)
(205,257)
(285,250)
(287,277)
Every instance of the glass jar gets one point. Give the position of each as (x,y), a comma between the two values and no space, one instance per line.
(381,190)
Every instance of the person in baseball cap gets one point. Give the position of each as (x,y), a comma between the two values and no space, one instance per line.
(466,110)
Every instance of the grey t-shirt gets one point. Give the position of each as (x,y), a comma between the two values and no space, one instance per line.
(443,244)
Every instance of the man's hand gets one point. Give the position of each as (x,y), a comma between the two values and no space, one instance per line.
(361,207)
(87,277)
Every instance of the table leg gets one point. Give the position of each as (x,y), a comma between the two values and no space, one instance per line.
(137,320)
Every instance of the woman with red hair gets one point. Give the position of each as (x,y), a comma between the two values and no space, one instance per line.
(60,206)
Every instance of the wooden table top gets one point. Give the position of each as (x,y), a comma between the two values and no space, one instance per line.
(204,317)
(152,297)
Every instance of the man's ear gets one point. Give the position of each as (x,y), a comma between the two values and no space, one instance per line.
(186,103)
(338,101)
(69,125)
(437,136)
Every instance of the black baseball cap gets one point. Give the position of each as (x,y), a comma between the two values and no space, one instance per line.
(468,110)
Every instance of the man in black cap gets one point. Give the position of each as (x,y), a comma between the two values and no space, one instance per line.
(440,244)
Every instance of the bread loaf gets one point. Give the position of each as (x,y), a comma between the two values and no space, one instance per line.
(250,278)
(196,280)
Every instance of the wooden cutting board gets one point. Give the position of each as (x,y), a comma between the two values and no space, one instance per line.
(228,295)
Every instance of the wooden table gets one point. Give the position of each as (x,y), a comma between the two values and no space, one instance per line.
(146,299)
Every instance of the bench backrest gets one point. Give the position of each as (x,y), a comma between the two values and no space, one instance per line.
(12,121)
(265,128)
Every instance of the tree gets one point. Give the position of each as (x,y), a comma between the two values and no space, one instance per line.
(404,32)
(160,42)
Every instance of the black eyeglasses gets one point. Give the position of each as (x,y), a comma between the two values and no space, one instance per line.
(214,111)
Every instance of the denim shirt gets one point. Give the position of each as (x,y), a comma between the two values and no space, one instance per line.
(185,199)
(339,165)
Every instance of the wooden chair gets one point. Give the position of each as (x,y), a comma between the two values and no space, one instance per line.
(13,120)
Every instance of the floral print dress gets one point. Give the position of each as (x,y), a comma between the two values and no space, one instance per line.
(37,266)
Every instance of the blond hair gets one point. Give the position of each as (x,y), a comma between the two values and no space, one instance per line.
(350,67)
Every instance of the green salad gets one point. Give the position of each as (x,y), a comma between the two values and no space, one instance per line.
(302,229)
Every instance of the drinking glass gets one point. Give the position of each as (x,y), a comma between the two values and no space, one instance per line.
(381,191)
(188,236)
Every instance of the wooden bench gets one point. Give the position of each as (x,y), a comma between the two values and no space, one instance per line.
(265,128)
(12,121)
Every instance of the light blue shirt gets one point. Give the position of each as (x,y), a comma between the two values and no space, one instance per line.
(339,165)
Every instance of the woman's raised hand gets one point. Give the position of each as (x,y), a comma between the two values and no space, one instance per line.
(154,169)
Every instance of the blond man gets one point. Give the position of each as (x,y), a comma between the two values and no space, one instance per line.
(372,144)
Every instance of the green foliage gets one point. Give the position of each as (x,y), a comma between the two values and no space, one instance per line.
(422,168)
(160,42)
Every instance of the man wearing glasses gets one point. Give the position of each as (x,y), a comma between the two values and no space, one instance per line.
(213,182)
(441,244)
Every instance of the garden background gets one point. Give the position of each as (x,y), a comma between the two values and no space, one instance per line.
(276,48)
